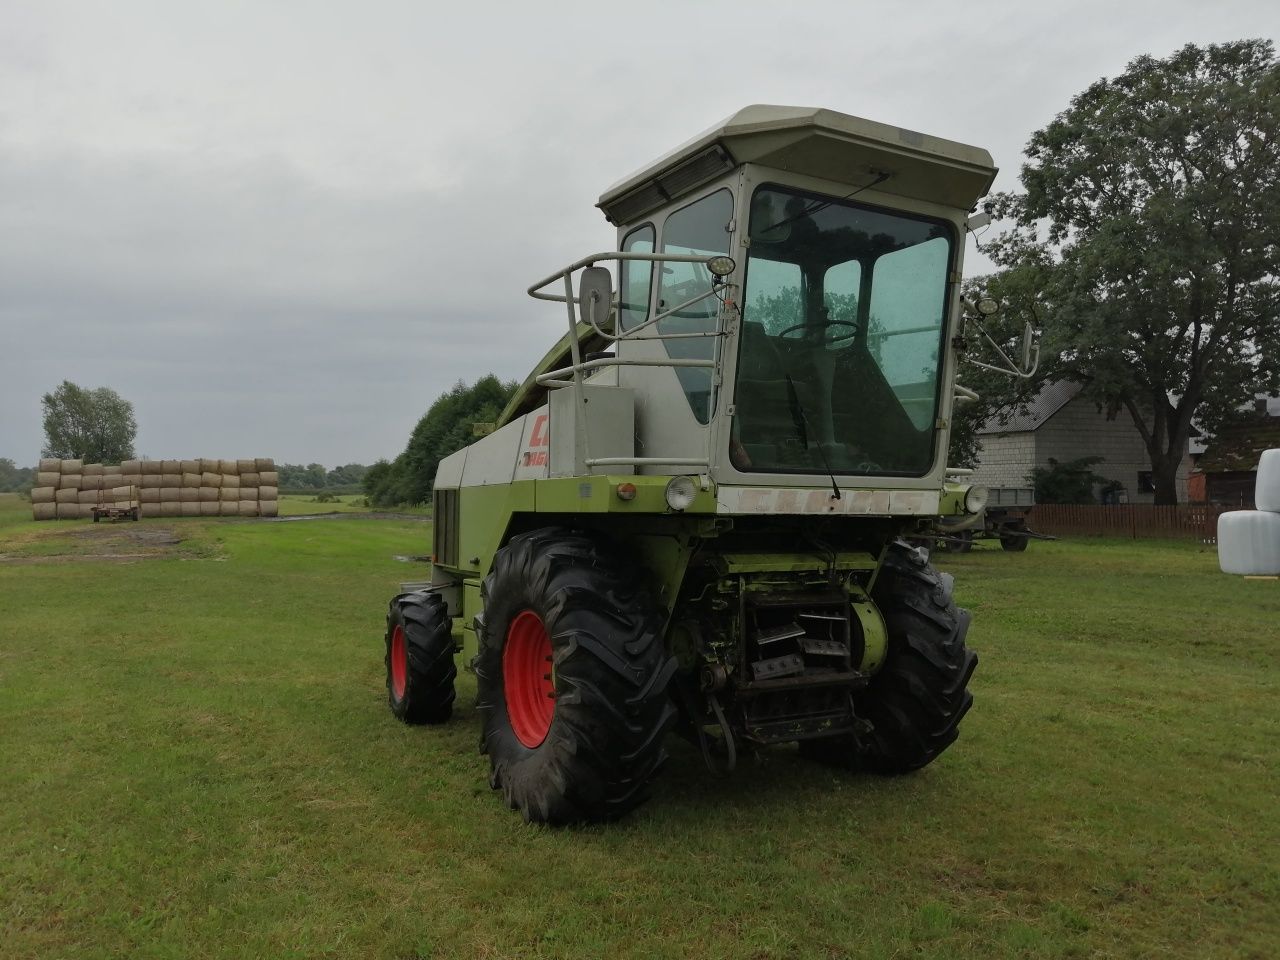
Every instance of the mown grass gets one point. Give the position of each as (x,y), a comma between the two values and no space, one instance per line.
(196,760)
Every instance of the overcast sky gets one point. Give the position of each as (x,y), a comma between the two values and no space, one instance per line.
(283,228)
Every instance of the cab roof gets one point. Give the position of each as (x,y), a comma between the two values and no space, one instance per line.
(815,142)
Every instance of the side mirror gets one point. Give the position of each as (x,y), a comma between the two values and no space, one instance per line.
(1028,346)
(595,296)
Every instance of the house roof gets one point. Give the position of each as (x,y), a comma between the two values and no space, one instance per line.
(1044,405)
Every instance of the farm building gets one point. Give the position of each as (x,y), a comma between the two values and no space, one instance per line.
(1227,471)
(1062,425)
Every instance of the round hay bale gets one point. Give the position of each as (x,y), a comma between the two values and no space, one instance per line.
(209,508)
(189,494)
(209,466)
(191,479)
(72,466)
(131,466)
(268,493)
(231,480)
(122,494)
(151,481)
(208,479)
(208,494)
(151,467)
(268,508)
(248,508)
(43,494)
(91,482)
(171,479)
(268,478)
(111,470)
(47,478)
(190,509)
(170,494)
(92,470)
(229,494)
(264,463)
(228,466)
(150,509)
(229,508)
(132,479)
(248,479)
(170,466)
(249,493)
(50,465)
(190,466)
(171,509)
(150,494)
(246,466)
(66,495)
(89,496)
(70,481)
(68,511)
(44,511)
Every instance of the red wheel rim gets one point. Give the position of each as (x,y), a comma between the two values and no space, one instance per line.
(526,678)
(399,663)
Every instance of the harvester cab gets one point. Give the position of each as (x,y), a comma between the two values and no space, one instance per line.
(695,510)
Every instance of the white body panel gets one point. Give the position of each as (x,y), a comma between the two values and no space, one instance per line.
(788,500)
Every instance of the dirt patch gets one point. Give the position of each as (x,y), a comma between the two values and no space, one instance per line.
(109,543)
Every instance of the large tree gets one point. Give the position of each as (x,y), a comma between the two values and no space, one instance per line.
(1148,232)
(93,425)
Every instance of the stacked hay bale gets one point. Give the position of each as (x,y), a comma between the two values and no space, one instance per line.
(70,489)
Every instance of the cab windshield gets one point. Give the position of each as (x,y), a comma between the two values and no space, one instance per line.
(844,310)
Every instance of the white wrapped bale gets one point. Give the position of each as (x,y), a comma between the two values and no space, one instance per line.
(68,511)
(66,495)
(1249,543)
(208,494)
(48,478)
(152,481)
(268,508)
(72,466)
(229,494)
(228,467)
(190,466)
(50,465)
(170,494)
(150,509)
(43,494)
(1266,489)
(267,493)
(44,511)
(208,479)
(170,508)
(268,478)
(151,468)
(209,508)
(248,508)
(191,479)
(190,508)
(189,494)
(229,508)
(149,494)
(249,479)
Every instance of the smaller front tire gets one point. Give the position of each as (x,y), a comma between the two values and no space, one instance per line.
(419,659)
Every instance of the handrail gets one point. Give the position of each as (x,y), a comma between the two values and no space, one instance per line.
(551,377)
(591,260)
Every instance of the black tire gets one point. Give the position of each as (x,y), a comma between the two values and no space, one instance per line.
(603,741)
(420,666)
(959,542)
(1015,544)
(917,699)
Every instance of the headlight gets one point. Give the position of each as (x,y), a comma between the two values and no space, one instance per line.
(975,499)
(680,493)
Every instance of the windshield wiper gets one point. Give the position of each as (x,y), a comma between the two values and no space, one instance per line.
(802,431)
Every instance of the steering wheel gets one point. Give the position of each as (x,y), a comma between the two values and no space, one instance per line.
(827,338)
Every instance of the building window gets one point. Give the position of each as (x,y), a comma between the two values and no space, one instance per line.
(1145,484)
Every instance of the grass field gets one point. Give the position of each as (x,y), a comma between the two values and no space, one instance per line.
(196,760)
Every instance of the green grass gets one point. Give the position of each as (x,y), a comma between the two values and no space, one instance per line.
(196,760)
(292,505)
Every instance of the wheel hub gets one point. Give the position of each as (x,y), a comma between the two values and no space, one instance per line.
(399,663)
(527,681)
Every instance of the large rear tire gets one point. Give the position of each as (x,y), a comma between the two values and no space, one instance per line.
(917,699)
(572,679)
(420,665)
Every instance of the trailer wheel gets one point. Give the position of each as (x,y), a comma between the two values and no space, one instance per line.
(1015,544)
(917,699)
(961,541)
(419,661)
(571,677)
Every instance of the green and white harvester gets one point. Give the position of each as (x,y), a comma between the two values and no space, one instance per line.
(696,514)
